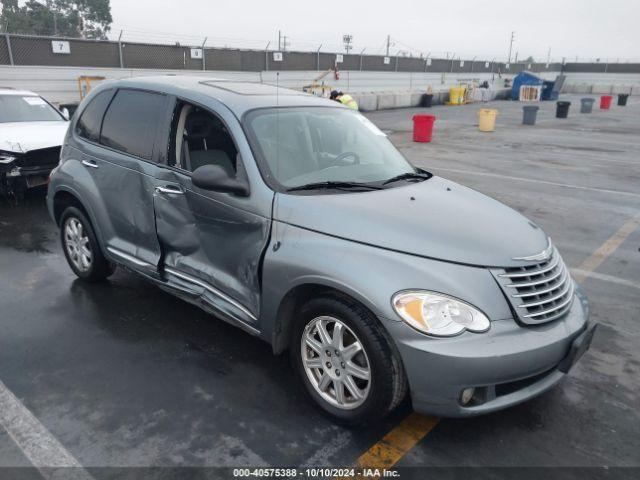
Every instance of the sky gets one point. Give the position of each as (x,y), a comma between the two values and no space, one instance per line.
(586,29)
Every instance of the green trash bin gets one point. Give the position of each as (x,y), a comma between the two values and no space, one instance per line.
(622,99)
(586,105)
(529,114)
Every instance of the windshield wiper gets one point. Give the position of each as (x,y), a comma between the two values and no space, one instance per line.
(408,176)
(336,185)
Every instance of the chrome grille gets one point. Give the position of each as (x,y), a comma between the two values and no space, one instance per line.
(539,292)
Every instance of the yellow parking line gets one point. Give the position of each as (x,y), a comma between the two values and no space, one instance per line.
(606,249)
(395,444)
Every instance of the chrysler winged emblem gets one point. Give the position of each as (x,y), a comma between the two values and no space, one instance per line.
(538,257)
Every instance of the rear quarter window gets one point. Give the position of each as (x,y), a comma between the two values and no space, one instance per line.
(131,122)
(90,120)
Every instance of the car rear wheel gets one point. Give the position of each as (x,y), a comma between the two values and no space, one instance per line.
(81,248)
(346,361)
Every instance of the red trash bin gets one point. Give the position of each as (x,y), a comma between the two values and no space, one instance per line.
(423,127)
(605,102)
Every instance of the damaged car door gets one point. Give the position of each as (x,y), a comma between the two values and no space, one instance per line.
(118,151)
(212,242)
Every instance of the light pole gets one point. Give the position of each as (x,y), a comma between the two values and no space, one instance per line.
(513,36)
(204,61)
(266,57)
(548,57)
(119,49)
(347,40)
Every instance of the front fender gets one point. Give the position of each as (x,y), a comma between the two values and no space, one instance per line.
(370,275)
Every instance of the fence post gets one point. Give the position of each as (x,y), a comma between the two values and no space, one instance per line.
(396,62)
(361,57)
(120,49)
(318,58)
(204,62)
(266,57)
(8,40)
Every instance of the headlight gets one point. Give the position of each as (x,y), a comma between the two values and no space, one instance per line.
(437,314)
(6,157)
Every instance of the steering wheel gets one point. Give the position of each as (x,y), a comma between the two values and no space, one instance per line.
(340,158)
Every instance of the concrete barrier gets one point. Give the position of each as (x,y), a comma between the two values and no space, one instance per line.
(403,100)
(370,101)
(602,89)
(583,88)
(386,100)
(367,102)
(441,97)
(621,89)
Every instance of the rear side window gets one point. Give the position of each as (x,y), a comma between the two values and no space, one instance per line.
(131,122)
(88,125)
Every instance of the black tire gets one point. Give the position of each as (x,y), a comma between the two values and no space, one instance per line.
(100,268)
(388,380)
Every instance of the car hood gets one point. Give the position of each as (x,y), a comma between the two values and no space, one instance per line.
(435,218)
(21,137)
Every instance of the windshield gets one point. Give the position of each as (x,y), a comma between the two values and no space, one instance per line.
(18,108)
(300,146)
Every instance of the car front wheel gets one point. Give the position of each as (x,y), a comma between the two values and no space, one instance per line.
(346,361)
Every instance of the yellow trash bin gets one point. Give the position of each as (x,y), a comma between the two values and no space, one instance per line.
(456,95)
(487,119)
(463,92)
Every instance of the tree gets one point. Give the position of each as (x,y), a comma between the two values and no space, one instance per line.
(67,18)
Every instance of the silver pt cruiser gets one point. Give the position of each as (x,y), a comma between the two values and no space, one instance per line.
(297,220)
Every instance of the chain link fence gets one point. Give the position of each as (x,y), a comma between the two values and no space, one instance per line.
(52,51)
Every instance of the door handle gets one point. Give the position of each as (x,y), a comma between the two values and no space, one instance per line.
(170,189)
(90,163)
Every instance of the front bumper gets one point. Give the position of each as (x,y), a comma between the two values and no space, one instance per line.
(506,365)
(27,169)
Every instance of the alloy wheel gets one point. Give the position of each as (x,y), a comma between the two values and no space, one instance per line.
(335,362)
(77,244)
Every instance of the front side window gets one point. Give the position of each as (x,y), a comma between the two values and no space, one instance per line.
(90,120)
(27,108)
(131,122)
(300,146)
(200,138)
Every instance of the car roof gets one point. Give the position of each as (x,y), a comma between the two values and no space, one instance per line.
(238,96)
(11,91)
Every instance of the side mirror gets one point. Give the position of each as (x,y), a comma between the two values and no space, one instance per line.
(216,178)
(65,113)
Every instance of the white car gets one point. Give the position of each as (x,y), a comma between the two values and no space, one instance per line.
(31,134)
